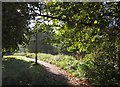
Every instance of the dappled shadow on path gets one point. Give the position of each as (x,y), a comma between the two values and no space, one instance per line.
(20,72)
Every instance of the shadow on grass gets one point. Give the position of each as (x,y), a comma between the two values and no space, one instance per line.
(20,72)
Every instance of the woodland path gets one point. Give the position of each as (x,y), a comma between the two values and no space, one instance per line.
(71,80)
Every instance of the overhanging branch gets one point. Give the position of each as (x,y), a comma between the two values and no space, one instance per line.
(53,17)
(67,20)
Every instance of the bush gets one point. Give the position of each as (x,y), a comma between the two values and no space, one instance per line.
(101,69)
(19,54)
(98,68)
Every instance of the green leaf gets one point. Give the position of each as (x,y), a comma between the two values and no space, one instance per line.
(98,29)
(93,39)
(95,22)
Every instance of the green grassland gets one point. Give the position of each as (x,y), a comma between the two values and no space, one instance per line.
(19,71)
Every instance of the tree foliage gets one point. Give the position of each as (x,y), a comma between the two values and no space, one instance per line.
(91,29)
(13,24)
(16,18)
(86,29)
(44,38)
(80,16)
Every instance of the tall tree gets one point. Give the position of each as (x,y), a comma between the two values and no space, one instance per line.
(16,18)
(91,28)
(13,24)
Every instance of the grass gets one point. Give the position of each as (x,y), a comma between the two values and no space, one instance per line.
(18,71)
(96,68)
(68,63)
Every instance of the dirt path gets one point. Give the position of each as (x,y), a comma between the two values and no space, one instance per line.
(56,70)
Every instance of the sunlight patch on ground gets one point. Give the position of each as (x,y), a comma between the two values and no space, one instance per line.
(17,57)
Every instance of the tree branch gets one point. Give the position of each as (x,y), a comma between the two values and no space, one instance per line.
(53,17)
